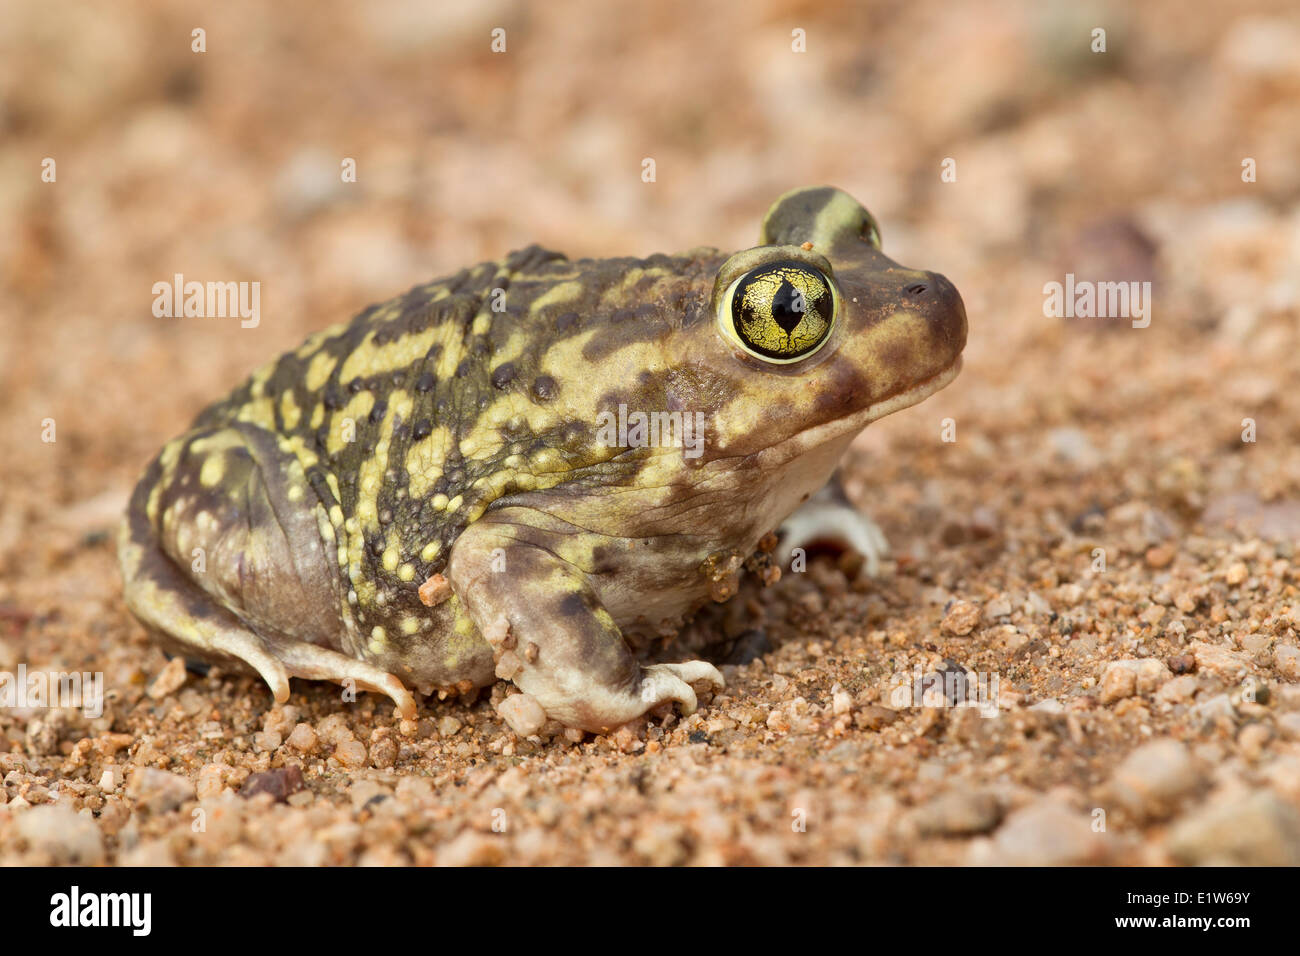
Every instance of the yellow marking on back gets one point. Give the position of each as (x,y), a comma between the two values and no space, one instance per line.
(481,443)
(260,413)
(370,480)
(319,370)
(587,391)
(424,460)
(485,440)
(356,409)
(216,442)
(289,410)
(317,339)
(448,360)
(521,340)
(562,293)
(401,353)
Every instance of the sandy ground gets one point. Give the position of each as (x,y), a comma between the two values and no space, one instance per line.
(1098,548)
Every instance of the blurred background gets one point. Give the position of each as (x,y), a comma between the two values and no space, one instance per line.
(225,165)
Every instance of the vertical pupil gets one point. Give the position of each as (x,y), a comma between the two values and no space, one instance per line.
(769,305)
(783,307)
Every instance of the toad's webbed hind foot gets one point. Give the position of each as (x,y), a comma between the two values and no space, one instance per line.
(320,663)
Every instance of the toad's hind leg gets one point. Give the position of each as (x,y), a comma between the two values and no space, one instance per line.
(185,621)
(224,561)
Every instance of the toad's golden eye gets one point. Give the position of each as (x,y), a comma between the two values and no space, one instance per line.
(781,312)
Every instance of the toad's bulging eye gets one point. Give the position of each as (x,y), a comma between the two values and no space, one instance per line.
(781,312)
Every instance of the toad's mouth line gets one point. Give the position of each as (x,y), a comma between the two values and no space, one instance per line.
(912,396)
(852,424)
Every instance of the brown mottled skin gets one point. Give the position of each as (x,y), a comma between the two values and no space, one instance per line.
(453,431)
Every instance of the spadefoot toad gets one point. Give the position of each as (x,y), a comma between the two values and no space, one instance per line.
(505,473)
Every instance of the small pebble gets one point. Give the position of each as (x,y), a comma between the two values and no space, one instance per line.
(958,813)
(303,738)
(1125,678)
(961,618)
(471,848)
(998,607)
(267,740)
(169,679)
(1218,660)
(212,780)
(111,778)
(1252,739)
(1178,688)
(1070,594)
(1161,556)
(1253,829)
(434,591)
(1046,833)
(334,729)
(351,753)
(279,783)
(383,753)
(874,717)
(841,702)
(1286,658)
(157,791)
(1154,778)
(67,836)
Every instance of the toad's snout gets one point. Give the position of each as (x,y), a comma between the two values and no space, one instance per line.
(939,303)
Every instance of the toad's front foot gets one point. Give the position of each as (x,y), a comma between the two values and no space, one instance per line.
(665,682)
(828,519)
(553,638)
(600,707)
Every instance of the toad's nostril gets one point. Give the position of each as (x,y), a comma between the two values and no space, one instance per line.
(916,289)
